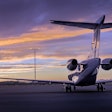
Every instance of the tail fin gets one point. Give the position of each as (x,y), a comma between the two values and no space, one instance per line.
(94,26)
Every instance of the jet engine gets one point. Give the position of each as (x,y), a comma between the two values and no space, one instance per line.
(107,64)
(72,64)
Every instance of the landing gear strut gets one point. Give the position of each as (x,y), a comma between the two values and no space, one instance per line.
(100,87)
(69,88)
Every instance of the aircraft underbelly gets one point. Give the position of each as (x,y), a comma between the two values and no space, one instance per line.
(88,76)
(89,80)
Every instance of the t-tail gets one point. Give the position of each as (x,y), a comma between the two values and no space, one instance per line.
(94,26)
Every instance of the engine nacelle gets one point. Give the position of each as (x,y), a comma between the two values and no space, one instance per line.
(72,64)
(107,64)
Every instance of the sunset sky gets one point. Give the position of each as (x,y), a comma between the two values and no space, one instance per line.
(25,26)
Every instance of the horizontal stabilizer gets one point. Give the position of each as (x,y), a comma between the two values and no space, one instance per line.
(106,25)
(77,24)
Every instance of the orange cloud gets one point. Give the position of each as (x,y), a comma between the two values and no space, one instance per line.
(38,34)
(42,33)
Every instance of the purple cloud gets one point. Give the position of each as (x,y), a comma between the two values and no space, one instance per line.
(19,16)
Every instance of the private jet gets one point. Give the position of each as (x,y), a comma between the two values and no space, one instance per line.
(87,69)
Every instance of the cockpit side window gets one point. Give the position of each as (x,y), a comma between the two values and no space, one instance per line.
(82,67)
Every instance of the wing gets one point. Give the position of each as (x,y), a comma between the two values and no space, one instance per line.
(41,81)
(106,25)
(103,81)
(77,24)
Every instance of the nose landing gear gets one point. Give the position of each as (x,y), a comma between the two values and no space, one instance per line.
(100,87)
(69,88)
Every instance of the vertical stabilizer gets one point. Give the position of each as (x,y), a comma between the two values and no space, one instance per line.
(96,27)
(96,43)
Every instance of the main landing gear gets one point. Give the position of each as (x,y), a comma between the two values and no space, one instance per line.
(100,87)
(68,88)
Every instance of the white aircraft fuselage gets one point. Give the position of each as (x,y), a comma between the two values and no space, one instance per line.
(87,76)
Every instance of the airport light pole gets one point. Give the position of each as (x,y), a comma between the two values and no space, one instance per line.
(35,64)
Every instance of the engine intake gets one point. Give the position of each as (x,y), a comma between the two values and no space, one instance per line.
(72,64)
(107,64)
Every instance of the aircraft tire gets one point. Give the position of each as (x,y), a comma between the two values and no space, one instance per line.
(68,89)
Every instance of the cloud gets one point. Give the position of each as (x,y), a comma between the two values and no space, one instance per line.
(42,33)
(50,42)
(18,17)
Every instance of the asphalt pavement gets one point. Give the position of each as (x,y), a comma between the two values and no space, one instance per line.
(45,98)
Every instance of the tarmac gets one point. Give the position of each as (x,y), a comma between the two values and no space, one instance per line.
(53,98)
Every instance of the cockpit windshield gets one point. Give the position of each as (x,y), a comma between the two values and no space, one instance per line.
(81,68)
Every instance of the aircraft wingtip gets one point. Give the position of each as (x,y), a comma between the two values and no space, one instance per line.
(51,21)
